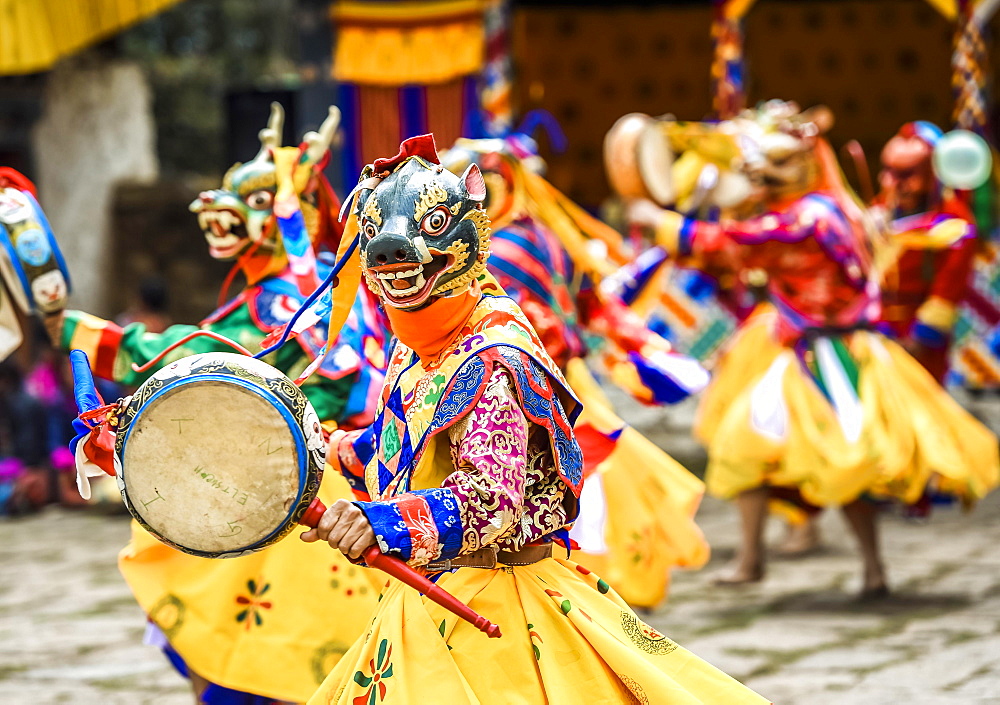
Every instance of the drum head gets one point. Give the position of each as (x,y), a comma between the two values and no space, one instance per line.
(733,188)
(655,159)
(214,465)
(621,155)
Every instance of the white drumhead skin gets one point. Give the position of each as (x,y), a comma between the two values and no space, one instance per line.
(655,159)
(733,188)
(621,155)
(211,466)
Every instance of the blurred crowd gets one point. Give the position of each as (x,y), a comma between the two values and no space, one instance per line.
(36,413)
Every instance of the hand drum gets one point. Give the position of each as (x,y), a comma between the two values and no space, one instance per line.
(220,454)
(30,260)
(638,159)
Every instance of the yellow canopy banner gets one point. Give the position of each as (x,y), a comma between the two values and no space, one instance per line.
(737,9)
(397,43)
(982,10)
(35,34)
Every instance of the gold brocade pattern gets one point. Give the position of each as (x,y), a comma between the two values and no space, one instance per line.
(491,449)
(645,637)
(372,212)
(432,194)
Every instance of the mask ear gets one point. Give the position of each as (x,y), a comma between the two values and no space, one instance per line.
(474,184)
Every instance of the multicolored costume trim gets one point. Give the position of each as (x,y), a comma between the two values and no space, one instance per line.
(426,523)
(496,335)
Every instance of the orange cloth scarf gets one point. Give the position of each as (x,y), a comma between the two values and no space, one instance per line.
(429,331)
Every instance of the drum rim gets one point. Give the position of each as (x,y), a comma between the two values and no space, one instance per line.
(53,243)
(305,460)
(17,266)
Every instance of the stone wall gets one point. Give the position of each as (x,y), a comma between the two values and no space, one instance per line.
(154,234)
(96,132)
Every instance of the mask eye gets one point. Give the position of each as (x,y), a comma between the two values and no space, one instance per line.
(436,221)
(260,200)
(369,229)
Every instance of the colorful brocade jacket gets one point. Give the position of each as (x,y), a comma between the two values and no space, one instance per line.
(343,389)
(473,449)
(816,277)
(929,280)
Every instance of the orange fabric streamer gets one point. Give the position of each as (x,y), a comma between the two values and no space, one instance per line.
(831,179)
(260,265)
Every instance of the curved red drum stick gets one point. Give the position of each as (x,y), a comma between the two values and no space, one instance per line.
(404,573)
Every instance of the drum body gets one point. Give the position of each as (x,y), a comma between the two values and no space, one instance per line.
(218,454)
(30,260)
(638,159)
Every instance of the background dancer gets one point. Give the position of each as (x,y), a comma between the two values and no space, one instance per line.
(842,414)
(245,630)
(933,238)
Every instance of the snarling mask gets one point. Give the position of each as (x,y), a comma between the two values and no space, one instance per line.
(241,216)
(423,230)
(907,178)
(780,155)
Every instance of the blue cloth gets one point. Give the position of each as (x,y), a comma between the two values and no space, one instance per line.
(215,694)
(928,335)
(393,530)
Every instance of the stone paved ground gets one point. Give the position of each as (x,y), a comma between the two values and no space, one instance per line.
(70,633)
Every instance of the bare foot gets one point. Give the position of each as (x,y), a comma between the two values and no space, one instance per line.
(800,540)
(198,685)
(875,593)
(875,587)
(740,575)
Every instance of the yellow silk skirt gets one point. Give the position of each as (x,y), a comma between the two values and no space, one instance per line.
(637,511)
(898,434)
(567,638)
(748,354)
(272,623)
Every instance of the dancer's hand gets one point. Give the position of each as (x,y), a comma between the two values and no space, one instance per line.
(664,224)
(644,212)
(344,527)
(333,449)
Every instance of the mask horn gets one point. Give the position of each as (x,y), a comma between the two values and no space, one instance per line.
(320,141)
(270,136)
